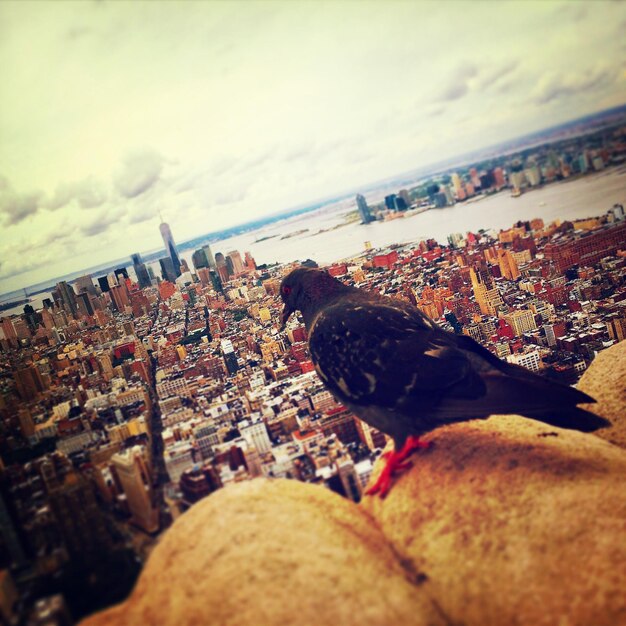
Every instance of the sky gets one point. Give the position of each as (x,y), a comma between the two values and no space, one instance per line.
(216,113)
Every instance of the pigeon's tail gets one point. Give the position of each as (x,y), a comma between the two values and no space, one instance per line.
(572,418)
(521,392)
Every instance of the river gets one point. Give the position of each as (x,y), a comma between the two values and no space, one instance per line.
(300,238)
(582,197)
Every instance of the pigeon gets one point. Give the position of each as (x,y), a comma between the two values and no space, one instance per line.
(399,372)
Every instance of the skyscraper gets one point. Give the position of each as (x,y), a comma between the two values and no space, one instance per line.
(229,265)
(83,304)
(103,281)
(457,184)
(121,273)
(209,255)
(364,210)
(235,257)
(167,269)
(29,382)
(120,297)
(508,264)
(222,269)
(80,522)
(170,246)
(85,284)
(67,296)
(199,259)
(230,357)
(216,281)
(9,331)
(249,262)
(390,202)
(486,294)
(141,271)
(134,476)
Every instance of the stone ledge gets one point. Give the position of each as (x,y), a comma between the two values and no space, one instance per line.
(605,380)
(273,552)
(506,521)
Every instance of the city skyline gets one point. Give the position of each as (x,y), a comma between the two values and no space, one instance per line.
(252,112)
(124,407)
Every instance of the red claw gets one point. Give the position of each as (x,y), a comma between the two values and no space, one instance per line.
(396,463)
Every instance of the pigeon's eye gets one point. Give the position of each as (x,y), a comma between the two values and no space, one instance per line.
(286,290)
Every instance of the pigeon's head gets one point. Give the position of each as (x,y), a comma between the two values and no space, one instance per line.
(304,288)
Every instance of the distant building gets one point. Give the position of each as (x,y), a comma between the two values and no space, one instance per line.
(29,382)
(209,255)
(440,200)
(230,358)
(103,281)
(199,259)
(390,202)
(522,321)
(134,476)
(364,210)
(167,269)
(255,434)
(498,176)
(457,185)
(80,521)
(83,304)
(508,265)
(404,195)
(533,175)
(486,294)
(170,247)
(236,261)
(206,439)
(67,296)
(121,274)
(530,360)
(141,271)
(616,213)
(222,268)
(587,250)
(85,284)
(249,261)
(216,281)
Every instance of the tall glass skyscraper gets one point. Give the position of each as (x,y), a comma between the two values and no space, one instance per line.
(364,210)
(170,246)
(143,278)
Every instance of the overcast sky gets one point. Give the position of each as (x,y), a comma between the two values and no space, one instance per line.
(219,112)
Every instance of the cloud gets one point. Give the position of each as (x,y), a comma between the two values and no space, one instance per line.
(61,233)
(457,84)
(436,112)
(16,207)
(99,224)
(139,172)
(495,75)
(77,32)
(89,193)
(573,11)
(554,86)
(469,77)
(136,217)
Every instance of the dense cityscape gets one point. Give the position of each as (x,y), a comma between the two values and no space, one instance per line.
(129,397)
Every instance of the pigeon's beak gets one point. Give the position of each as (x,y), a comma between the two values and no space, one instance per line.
(287,311)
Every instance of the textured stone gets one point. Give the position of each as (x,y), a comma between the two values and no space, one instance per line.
(605,381)
(514,522)
(273,552)
(503,522)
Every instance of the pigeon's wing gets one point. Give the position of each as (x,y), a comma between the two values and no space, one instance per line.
(372,353)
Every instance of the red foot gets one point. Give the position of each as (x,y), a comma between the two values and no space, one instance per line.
(396,463)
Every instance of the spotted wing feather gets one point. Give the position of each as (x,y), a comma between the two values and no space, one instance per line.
(391,357)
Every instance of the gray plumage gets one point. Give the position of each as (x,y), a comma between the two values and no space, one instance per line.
(402,374)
